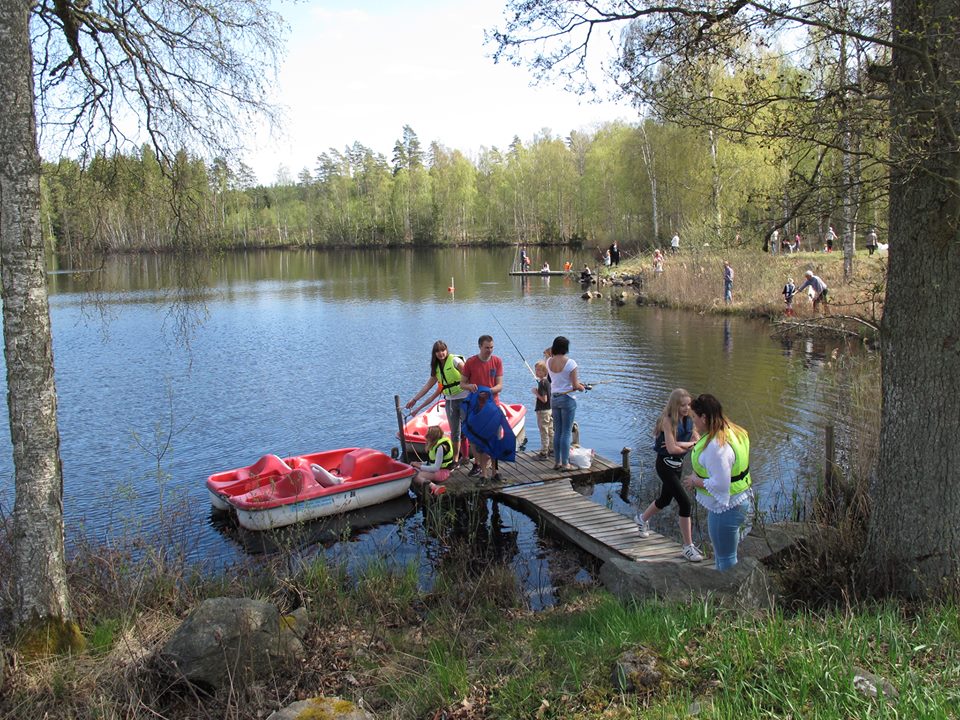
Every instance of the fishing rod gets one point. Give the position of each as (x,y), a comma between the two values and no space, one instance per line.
(515,346)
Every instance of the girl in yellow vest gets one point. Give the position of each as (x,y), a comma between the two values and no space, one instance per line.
(721,477)
(440,461)
(445,380)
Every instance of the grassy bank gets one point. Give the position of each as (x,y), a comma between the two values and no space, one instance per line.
(469,649)
(694,280)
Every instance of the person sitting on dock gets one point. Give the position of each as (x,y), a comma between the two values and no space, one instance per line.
(440,457)
(545,269)
(586,275)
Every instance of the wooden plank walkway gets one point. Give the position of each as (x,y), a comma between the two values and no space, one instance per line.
(600,531)
(531,469)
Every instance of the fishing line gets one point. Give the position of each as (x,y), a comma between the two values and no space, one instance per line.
(515,346)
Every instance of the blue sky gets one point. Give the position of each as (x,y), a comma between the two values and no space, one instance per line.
(361,70)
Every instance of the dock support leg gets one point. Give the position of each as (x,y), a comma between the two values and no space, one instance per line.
(625,460)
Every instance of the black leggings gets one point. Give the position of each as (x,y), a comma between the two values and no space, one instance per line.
(672,489)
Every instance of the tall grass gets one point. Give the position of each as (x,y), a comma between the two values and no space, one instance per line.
(694,279)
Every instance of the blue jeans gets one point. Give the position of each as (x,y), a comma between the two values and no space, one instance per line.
(455,416)
(724,529)
(564,410)
(728,291)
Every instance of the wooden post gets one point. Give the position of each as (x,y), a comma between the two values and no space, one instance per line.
(403,444)
(625,460)
(830,467)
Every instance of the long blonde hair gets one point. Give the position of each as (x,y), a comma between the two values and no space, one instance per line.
(670,415)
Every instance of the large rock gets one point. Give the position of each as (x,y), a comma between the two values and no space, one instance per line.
(227,639)
(321,708)
(774,542)
(744,585)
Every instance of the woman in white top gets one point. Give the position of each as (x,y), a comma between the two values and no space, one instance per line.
(563,381)
(721,477)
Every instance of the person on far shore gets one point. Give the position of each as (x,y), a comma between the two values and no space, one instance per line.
(819,288)
(658,260)
(564,381)
(544,413)
(727,282)
(606,258)
(445,369)
(674,435)
(872,241)
(830,238)
(440,459)
(615,254)
(721,477)
(675,243)
(789,290)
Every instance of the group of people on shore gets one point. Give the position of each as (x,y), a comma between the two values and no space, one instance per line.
(719,449)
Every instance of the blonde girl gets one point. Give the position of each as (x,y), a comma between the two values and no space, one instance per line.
(674,435)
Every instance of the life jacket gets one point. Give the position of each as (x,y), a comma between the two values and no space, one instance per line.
(447,452)
(682,433)
(487,427)
(448,376)
(739,473)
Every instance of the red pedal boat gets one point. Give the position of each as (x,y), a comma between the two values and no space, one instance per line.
(275,492)
(415,430)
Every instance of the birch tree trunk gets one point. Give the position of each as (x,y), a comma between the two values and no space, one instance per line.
(913,541)
(39,570)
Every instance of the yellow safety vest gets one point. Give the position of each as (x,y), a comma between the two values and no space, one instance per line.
(447,452)
(739,473)
(448,376)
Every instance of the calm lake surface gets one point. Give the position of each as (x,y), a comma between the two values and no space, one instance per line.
(294,352)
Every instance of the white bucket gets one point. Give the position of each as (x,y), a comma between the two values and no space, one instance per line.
(581,457)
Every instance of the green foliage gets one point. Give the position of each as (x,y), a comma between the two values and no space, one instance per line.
(636,185)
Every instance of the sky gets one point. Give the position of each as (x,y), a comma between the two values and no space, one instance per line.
(359,70)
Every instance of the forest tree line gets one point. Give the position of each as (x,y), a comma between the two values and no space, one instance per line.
(637,183)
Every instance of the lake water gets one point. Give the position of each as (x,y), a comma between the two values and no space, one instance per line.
(294,352)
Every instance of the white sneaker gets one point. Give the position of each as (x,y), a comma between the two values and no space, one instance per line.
(642,525)
(691,553)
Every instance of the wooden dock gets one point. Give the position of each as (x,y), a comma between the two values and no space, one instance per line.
(529,469)
(600,531)
(547,495)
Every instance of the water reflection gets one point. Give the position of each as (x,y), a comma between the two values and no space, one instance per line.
(293,352)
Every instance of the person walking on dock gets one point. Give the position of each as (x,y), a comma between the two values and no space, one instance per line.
(721,477)
(674,436)
(564,382)
(483,369)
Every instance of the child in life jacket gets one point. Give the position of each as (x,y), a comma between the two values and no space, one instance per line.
(439,461)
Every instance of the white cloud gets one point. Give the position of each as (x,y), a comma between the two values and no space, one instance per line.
(361,73)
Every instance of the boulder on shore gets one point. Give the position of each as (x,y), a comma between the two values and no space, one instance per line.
(226,639)
(332,708)
(744,585)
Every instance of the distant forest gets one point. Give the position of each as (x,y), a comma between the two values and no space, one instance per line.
(634,183)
